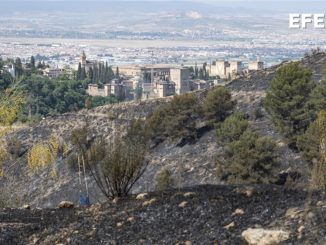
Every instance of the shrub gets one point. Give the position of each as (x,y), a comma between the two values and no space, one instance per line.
(176,119)
(3,157)
(248,160)
(317,101)
(137,132)
(122,164)
(258,114)
(164,179)
(88,103)
(4,130)
(72,161)
(3,199)
(40,156)
(112,116)
(232,128)
(99,101)
(181,174)
(218,104)
(318,174)
(309,143)
(10,106)
(287,100)
(79,138)
(115,166)
(43,154)
(14,146)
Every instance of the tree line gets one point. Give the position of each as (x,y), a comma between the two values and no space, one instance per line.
(99,73)
(44,96)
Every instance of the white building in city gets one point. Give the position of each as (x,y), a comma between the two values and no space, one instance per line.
(53,72)
(256,65)
(181,78)
(225,69)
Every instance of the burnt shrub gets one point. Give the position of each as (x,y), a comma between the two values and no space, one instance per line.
(258,114)
(164,179)
(3,199)
(72,162)
(14,147)
(115,165)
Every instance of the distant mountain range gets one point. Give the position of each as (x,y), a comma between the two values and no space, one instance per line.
(169,18)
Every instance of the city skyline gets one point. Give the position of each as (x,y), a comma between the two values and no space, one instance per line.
(176,31)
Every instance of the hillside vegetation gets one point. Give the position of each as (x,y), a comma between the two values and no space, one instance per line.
(248,155)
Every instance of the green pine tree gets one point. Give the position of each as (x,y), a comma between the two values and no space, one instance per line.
(287,100)
(218,104)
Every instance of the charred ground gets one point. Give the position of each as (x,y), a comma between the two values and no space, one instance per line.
(199,214)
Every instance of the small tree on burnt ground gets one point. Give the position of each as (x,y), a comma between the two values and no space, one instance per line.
(247,157)
(313,146)
(115,165)
(164,179)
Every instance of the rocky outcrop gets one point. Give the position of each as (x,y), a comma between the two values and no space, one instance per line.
(66,204)
(264,237)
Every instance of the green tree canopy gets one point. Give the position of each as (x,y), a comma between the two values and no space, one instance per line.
(218,104)
(250,159)
(287,99)
(232,128)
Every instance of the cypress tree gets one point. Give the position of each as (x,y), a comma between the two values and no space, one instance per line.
(205,75)
(18,67)
(39,65)
(95,74)
(90,74)
(79,72)
(32,62)
(106,72)
(83,75)
(110,73)
(117,74)
(100,70)
(102,77)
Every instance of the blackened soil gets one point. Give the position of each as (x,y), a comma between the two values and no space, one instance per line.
(202,219)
